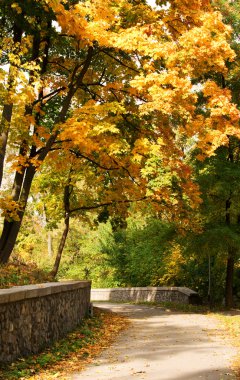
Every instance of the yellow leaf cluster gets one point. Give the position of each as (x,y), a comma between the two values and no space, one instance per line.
(9,208)
(204,48)
(223,119)
(167,92)
(16,7)
(93,128)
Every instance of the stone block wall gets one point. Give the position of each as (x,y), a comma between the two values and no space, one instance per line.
(33,316)
(147,294)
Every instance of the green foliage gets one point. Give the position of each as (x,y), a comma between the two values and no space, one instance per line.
(137,252)
(147,252)
(84,257)
(143,251)
(219,215)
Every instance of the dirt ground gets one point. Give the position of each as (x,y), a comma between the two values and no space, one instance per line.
(162,345)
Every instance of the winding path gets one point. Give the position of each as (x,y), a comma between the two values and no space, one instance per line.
(162,345)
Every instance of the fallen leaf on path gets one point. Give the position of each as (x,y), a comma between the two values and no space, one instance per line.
(111,324)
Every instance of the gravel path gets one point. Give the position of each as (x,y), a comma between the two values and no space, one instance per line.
(162,345)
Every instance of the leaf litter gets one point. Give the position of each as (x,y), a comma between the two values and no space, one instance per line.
(71,354)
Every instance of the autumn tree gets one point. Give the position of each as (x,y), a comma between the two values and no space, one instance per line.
(231,14)
(49,70)
(117,86)
(218,176)
(68,192)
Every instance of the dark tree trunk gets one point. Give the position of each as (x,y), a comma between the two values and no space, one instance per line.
(54,271)
(66,201)
(229,279)
(230,259)
(11,228)
(231,250)
(229,302)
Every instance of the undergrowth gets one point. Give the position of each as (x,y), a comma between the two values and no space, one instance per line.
(16,274)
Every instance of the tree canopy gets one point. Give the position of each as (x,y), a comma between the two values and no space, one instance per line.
(113,99)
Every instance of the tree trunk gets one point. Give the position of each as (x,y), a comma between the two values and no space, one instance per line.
(230,259)
(209,282)
(54,271)
(230,274)
(229,279)
(8,239)
(231,250)
(11,228)
(66,202)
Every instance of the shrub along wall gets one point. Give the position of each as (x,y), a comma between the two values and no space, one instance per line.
(147,294)
(33,316)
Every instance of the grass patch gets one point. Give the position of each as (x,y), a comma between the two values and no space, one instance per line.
(175,306)
(70,354)
(231,323)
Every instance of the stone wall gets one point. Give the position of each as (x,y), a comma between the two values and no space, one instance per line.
(33,316)
(148,294)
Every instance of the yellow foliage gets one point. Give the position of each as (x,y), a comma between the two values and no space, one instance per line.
(9,208)
(16,7)
(173,262)
(133,107)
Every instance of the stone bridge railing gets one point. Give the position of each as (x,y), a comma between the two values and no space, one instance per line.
(33,316)
(146,294)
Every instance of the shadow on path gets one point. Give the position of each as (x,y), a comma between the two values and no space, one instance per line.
(162,345)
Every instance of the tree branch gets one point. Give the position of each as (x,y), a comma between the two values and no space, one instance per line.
(92,207)
(128,172)
(80,155)
(51,95)
(79,79)
(59,64)
(119,61)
